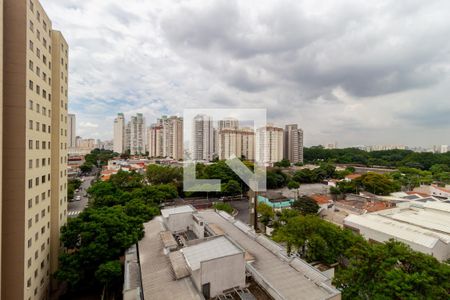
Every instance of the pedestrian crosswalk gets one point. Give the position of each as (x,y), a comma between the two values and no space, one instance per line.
(74,213)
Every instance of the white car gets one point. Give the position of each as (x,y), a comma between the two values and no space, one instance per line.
(77,198)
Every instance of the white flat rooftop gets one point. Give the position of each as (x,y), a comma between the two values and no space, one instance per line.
(177,210)
(215,248)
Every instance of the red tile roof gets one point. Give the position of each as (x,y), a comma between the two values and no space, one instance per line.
(353,176)
(321,199)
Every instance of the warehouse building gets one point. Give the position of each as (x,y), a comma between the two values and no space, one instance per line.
(425,227)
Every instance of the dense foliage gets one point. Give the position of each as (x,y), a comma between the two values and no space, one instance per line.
(367,270)
(72,185)
(96,239)
(97,157)
(306,205)
(387,158)
(226,207)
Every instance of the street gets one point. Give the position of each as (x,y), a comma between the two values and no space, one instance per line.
(76,207)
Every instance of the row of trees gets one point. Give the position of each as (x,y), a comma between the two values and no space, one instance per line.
(388,270)
(95,240)
(387,158)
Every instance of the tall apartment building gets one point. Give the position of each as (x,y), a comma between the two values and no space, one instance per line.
(155,140)
(172,137)
(202,138)
(236,142)
(34,179)
(119,133)
(293,143)
(269,143)
(228,123)
(135,134)
(71,131)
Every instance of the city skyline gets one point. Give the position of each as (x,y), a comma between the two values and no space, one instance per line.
(370,95)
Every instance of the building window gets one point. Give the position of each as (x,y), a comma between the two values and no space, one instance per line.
(38,52)
(30,222)
(43,178)
(37,145)
(30,164)
(30,203)
(36,200)
(31,26)
(38,108)
(43,162)
(38,126)
(30,124)
(30,242)
(30,104)
(37,162)
(29,263)
(38,34)
(29,282)
(30,183)
(30,65)
(31,46)
(30,144)
(36,181)
(30,85)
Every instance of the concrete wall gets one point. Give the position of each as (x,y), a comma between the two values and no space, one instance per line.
(223,273)
(198,229)
(179,222)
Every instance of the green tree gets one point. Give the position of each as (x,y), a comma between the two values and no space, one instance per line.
(95,237)
(377,184)
(226,207)
(306,205)
(157,174)
(266,213)
(284,163)
(392,271)
(231,188)
(293,185)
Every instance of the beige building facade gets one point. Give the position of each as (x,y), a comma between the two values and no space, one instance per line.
(35,84)
(237,142)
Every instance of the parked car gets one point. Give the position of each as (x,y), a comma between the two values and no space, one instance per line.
(77,198)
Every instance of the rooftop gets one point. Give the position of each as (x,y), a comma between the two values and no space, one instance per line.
(211,249)
(288,277)
(424,223)
(158,279)
(177,210)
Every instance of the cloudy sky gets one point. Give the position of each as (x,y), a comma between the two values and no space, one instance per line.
(355,72)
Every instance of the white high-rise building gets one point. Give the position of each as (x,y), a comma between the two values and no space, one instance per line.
(136,134)
(119,133)
(269,143)
(444,148)
(71,131)
(203,138)
(293,143)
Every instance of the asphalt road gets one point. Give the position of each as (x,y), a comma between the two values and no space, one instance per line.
(76,207)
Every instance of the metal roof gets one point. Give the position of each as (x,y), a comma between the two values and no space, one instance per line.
(212,249)
(393,228)
(177,210)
